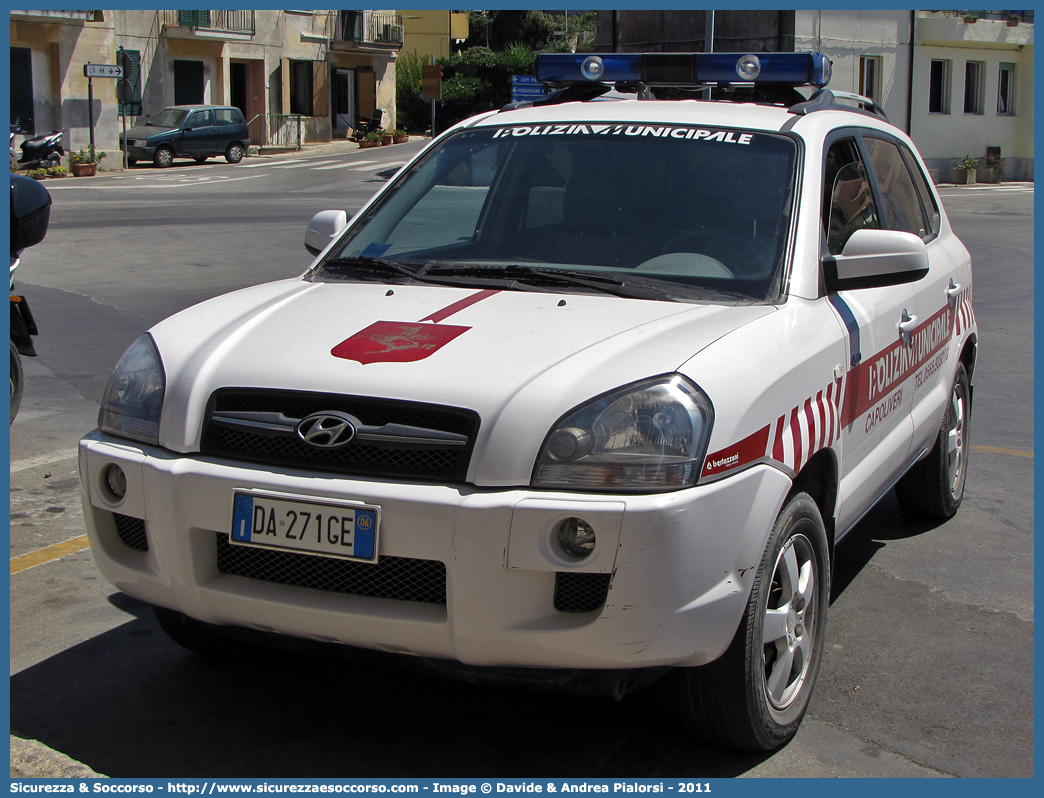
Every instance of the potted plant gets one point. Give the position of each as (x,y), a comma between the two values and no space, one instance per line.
(400,136)
(1013,20)
(37,174)
(387,137)
(964,170)
(970,19)
(57,171)
(85,162)
(372,139)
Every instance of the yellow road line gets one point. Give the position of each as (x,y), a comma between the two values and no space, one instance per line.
(996,450)
(48,554)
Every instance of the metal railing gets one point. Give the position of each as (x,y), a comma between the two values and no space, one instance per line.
(1025,16)
(232,21)
(369,27)
(278,130)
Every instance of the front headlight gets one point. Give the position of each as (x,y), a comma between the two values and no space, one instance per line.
(645,437)
(133,398)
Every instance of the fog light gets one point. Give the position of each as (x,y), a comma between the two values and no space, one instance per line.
(576,537)
(115,481)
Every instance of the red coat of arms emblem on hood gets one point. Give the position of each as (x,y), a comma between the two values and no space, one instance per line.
(403,341)
(396,342)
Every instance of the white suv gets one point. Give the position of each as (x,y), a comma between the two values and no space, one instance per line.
(593,385)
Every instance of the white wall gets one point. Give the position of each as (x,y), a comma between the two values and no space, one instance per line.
(943,138)
(844,36)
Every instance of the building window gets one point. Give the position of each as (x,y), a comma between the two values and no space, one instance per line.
(1006,91)
(301,88)
(870,77)
(22,90)
(973,87)
(939,87)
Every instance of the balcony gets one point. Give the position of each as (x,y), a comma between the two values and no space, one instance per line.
(222,24)
(1006,30)
(380,30)
(60,16)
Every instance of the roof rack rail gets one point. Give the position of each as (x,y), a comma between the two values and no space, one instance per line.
(827,100)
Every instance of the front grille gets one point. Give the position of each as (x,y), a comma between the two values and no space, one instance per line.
(422,462)
(580,592)
(397,578)
(131,531)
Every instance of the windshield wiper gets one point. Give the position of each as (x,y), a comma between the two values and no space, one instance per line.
(374,266)
(535,276)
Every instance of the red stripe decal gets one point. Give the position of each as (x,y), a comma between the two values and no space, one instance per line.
(810,418)
(795,433)
(777,446)
(456,307)
(746,451)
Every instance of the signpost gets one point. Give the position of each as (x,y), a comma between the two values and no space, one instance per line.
(92,71)
(431,87)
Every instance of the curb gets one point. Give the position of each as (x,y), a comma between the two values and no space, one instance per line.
(31,759)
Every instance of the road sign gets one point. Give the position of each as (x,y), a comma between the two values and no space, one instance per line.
(102,71)
(526,87)
(431,81)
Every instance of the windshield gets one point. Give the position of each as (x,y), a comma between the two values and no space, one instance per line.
(678,207)
(169,117)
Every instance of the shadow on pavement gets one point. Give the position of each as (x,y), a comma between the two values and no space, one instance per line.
(130,703)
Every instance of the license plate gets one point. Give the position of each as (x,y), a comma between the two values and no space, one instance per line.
(306,525)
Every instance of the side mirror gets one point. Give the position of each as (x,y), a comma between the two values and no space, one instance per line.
(876,258)
(324,228)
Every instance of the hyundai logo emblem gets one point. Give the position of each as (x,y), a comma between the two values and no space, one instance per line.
(329,430)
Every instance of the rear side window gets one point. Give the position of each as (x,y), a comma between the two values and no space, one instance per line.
(228,116)
(931,210)
(902,204)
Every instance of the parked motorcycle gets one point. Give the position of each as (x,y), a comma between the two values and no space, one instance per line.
(367,124)
(30,214)
(40,152)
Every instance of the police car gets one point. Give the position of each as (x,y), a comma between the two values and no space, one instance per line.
(589,391)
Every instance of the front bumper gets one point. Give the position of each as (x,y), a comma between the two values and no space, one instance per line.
(140,153)
(678,567)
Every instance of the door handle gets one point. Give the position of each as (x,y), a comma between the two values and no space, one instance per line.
(906,327)
(952,292)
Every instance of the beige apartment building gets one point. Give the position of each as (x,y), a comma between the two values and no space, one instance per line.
(307,73)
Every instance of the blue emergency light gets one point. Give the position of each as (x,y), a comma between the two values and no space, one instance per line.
(684,69)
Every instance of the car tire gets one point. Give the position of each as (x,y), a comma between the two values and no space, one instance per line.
(192,634)
(934,486)
(754,696)
(164,157)
(17,381)
(201,159)
(234,153)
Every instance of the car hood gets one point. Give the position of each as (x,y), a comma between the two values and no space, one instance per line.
(147,131)
(521,360)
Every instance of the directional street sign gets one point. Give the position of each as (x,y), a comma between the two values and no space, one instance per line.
(102,71)
(526,87)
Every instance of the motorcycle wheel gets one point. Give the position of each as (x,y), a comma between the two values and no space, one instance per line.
(16,381)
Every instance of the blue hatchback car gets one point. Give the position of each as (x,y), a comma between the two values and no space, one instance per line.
(189,131)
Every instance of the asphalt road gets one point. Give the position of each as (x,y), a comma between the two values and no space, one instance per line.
(929,664)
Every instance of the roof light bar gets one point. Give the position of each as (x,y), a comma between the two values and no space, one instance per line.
(685,69)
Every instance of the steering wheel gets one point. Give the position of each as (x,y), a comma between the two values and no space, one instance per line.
(741,256)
